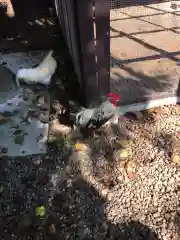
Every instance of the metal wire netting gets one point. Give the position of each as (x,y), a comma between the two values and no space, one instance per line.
(115,4)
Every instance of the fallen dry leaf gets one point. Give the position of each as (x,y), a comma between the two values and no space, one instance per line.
(83,159)
(123,143)
(176,146)
(51,139)
(121,166)
(1,189)
(176,158)
(123,153)
(40,100)
(59,129)
(81,147)
(178,124)
(25,222)
(74,135)
(3,120)
(131,167)
(178,133)
(51,229)
(132,175)
(139,115)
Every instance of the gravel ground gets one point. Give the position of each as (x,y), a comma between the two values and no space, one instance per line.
(122,185)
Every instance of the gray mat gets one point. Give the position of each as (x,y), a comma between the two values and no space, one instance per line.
(24,111)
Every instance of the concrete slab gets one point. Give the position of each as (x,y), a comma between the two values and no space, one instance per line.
(144,51)
(24,111)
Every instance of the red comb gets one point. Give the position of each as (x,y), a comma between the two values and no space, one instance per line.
(114,95)
(114,98)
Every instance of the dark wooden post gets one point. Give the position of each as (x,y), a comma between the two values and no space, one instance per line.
(102,20)
(88,41)
(89,80)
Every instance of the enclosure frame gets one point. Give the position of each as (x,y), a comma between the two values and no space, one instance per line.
(85,26)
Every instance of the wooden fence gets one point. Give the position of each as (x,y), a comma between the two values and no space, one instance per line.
(85,26)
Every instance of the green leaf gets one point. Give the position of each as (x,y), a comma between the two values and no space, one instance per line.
(17,132)
(19,139)
(40,211)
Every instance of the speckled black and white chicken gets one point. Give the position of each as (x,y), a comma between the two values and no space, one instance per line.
(85,119)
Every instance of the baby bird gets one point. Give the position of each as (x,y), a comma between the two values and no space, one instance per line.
(41,74)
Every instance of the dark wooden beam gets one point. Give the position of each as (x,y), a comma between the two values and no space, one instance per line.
(102,20)
(85,20)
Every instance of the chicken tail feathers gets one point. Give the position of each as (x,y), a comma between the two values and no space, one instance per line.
(50,53)
(17,80)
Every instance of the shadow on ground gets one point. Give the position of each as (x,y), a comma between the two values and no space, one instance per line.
(142,67)
(63,184)
(32,28)
(74,209)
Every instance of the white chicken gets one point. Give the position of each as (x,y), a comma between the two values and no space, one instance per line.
(41,74)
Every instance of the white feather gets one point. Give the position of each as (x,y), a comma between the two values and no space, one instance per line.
(41,74)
